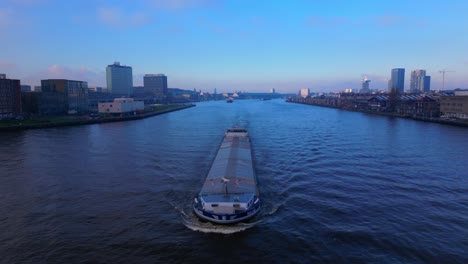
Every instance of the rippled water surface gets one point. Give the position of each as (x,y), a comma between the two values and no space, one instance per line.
(336,186)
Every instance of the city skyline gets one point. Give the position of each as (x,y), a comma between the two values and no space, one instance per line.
(236,45)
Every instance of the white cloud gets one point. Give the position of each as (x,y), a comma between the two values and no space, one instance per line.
(389,20)
(56,71)
(379,20)
(27,2)
(324,21)
(117,17)
(109,16)
(9,68)
(4,65)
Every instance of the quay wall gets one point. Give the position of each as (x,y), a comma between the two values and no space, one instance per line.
(79,122)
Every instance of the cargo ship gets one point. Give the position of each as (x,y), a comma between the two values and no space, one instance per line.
(230,193)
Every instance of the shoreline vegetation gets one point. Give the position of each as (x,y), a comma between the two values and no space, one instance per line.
(61,121)
(452,122)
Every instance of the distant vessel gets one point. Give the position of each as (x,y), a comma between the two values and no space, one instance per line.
(230,100)
(230,193)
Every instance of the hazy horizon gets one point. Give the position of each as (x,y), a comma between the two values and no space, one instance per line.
(236,45)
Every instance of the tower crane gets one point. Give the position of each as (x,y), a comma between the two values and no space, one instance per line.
(443,77)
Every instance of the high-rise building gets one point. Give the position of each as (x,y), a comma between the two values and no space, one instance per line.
(427,84)
(417,81)
(397,80)
(119,79)
(10,97)
(64,96)
(156,84)
(365,85)
(420,82)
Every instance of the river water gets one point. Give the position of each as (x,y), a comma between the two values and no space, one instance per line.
(336,187)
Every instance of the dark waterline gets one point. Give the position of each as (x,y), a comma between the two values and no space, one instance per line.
(336,186)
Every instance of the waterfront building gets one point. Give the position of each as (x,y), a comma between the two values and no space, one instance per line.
(119,79)
(60,96)
(94,98)
(304,92)
(454,106)
(121,106)
(408,105)
(10,97)
(427,106)
(378,103)
(397,82)
(155,84)
(30,102)
(460,92)
(272,90)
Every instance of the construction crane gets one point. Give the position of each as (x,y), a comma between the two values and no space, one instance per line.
(443,77)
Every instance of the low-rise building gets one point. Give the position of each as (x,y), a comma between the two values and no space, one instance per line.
(94,98)
(454,106)
(378,103)
(406,104)
(428,106)
(31,102)
(61,96)
(121,106)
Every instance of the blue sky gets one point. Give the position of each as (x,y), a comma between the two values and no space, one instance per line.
(236,45)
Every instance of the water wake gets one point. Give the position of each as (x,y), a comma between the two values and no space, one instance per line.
(192,222)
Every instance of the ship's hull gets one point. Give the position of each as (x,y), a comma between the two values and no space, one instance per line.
(225,218)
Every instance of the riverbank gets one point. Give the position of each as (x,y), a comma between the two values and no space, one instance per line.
(79,121)
(452,122)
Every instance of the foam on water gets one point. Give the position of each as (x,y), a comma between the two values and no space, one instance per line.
(191,221)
